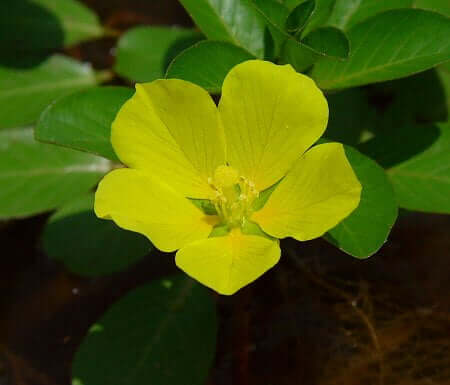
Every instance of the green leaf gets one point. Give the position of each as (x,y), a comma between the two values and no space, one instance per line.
(235,21)
(299,16)
(345,127)
(319,17)
(83,120)
(207,63)
(441,6)
(275,14)
(328,41)
(322,43)
(25,93)
(29,33)
(347,13)
(90,246)
(144,53)
(383,48)
(298,55)
(79,23)
(37,177)
(422,98)
(163,333)
(291,4)
(418,163)
(367,228)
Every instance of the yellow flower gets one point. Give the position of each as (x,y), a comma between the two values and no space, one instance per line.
(181,149)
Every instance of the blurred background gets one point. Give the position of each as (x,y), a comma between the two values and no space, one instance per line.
(321,317)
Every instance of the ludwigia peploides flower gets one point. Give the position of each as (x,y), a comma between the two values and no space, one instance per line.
(222,184)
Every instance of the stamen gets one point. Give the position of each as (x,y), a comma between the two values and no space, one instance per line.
(233,197)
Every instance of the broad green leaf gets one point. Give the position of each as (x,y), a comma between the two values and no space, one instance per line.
(367,228)
(299,16)
(441,6)
(163,333)
(349,127)
(347,13)
(24,93)
(144,53)
(36,177)
(235,21)
(83,120)
(207,63)
(78,22)
(383,48)
(90,246)
(418,163)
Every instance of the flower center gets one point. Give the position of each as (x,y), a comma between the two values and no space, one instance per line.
(234,196)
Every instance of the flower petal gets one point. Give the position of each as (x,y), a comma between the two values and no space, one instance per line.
(171,129)
(135,202)
(319,192)
(271,115)
(228,263)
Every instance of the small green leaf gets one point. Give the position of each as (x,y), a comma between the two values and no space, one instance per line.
(144,53)
(383,48)
(83,120)
(291,4)
(36,177)
(207,63)
(418,163)
(320,44)
(367,228)
(90,246)
(320,16)
(298,55)
(275,14)
(347,13)
(235,21)
(79,23)
(163,333)
(24,93)
(328,41)
(299,16)
(441,6)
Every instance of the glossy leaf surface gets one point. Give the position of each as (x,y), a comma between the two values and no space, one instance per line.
(144,53)
(24,93)
(90,246)
(36,177)
(367,228)
(83,120)
(235,21)
(207,63)
(418,163)
(163,333)
(383,48)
